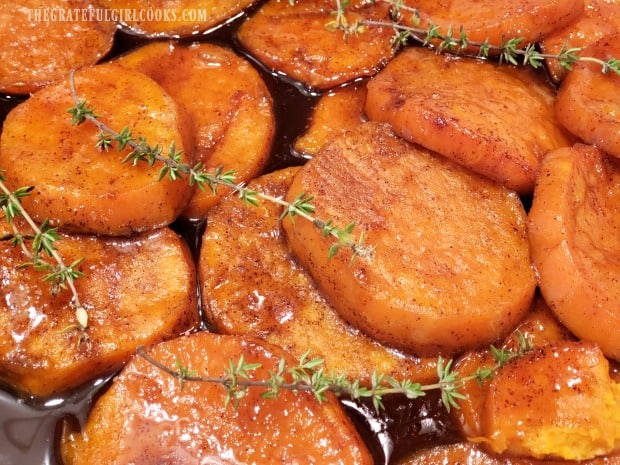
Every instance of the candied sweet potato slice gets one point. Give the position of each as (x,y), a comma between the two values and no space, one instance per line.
(557,402)
(575,240)
(496,120)
(162,422)
(497,21)
(451,268)
(79,187)
(599,18)
(539,327)
(335,112)
(294,40)
(588,103)
(227,101)
(174,18)
(245,249)
(42,40)
(136,291)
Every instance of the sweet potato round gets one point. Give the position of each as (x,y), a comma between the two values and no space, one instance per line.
(575,237)
(588,103)
(599,18)
(498,20)
(245,249)
(162,422)
(540,327)
(495,120)
(451,268)
(555,402)
(472,454)
(79,187)
(335,112)
(227,101)
(136,291)
(36,50)
(293,40)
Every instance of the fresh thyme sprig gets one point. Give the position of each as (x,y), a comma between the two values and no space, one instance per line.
(512,50)
(175,169)
(42,239)
(309,375)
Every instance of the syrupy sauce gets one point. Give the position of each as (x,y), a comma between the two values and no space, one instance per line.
(29,428)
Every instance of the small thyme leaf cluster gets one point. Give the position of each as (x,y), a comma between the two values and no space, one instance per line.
(309,375)
(302,206)
(341,23)
(175,169)
(512,50)
(38,247)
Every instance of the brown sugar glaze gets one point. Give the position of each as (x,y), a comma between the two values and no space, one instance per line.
(29,429)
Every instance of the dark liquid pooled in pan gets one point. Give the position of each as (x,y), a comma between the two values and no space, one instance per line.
(29,430)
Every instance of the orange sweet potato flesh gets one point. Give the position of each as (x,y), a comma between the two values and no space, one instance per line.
(79,187)
(471,454)
(35,52)
(588,103)
(136,291)
(335,112)
(499,20)
(251,285)
(451,269)
(174,18)
(574,224)
(293,40)
(162,423)
(599,18)
(557,401)
(539,326)
(495,120)
(227,101)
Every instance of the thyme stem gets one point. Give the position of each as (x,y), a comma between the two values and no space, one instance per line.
(66,273)
(310,376)
(178,374)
